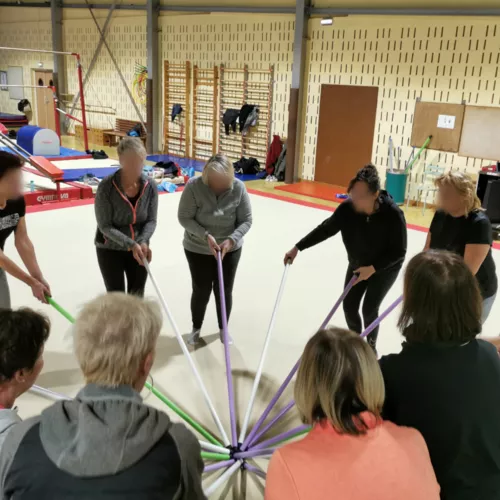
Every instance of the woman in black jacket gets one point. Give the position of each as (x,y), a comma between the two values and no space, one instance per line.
(373,229)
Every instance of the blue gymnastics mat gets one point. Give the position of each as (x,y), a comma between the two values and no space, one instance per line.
(251,177)
(182,162)
(76,174)
(65,152)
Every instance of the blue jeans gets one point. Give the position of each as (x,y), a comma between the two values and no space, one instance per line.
(487,305)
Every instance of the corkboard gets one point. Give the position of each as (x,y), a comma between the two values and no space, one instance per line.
(481,133)
(425,123)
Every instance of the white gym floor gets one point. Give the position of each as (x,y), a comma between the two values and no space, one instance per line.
(64,243)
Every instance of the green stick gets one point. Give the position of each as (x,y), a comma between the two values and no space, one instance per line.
(416,157)
(183,415)
(58,308)
(214,456)
(156,392)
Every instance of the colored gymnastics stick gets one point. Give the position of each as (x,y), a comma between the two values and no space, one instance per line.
(264,429)
(195,425)
(227,355)
(215,456)
(284,436)
(217,466)
(185,350)
(263,356)
(148,386)
(222,478)
(377,322)
(47,393)
(211,447)
(273,402)
(59,309)
(242,455)
(256,470)
(417,156)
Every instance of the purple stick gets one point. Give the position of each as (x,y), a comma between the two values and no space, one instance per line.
(254,453)
(225,334)
(374,325)
(282,413)
(255,470)
(281,437)
(273,402)
(218,465)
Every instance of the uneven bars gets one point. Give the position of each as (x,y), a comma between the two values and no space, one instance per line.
(80,82)
(227,355)
(69,116)
(263,356)
(283,386)
(188,356)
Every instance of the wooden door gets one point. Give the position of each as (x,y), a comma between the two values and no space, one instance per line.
(345,132)
(44,100)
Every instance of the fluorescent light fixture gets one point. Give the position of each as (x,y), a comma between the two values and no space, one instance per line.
(327,21)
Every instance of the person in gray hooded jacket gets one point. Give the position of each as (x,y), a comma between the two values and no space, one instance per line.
(23,334)
(106,443)
(126,206)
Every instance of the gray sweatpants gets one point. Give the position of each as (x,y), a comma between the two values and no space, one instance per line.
(4,291)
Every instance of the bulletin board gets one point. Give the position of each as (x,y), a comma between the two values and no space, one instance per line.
(15,77)
(481,133)
(443,121)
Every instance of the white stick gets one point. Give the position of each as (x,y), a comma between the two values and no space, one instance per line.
(263,357)
(213,447)
(222,478)
(187,354)
(47,393)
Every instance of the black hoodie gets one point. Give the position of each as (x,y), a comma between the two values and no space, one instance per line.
(377,240)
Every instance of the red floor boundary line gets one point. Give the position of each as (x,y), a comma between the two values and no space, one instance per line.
(414,227)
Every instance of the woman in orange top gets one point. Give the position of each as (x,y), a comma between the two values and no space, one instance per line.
(350,453)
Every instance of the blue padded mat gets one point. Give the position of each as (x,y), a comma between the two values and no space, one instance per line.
(182,162)
(64,152)
(76,174)
(251,177)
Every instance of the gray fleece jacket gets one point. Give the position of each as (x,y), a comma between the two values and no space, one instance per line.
(120,224)
(201,212)
(8,419)
(105,444)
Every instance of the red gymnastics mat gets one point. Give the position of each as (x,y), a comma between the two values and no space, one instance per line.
(317,190)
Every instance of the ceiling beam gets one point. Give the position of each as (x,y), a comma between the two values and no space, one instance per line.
(326,11)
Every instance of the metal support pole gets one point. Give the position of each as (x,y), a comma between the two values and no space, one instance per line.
(59,72)
(82,101)
(56,114)
(153,80)
(94,57)
(296,91)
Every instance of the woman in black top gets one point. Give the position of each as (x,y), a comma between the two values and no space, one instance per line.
(373,229)
(446,383)
(461,226)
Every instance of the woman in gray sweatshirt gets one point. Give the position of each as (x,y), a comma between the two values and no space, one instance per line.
(126,206)
(215,212)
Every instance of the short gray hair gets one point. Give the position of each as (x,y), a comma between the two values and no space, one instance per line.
(113,335)
(131,144)
(221,164)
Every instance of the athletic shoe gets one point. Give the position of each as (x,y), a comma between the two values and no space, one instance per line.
(221,337)
(194,337)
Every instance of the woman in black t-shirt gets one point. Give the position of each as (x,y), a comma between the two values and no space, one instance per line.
(460,226)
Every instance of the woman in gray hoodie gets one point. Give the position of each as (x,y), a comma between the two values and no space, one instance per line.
(126,206)
(215,212)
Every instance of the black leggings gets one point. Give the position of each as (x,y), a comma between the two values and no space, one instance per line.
(374,290)
(205,279)
(115,265)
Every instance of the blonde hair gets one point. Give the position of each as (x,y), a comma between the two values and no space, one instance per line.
(131,144)
(464,186)
(113,335)
(221,164)
(339,377)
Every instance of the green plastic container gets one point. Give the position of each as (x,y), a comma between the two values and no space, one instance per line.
(395,185)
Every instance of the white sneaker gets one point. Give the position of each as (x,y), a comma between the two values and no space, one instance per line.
(221,337)
(194,337)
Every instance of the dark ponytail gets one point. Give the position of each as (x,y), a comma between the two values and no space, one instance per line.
(368,174)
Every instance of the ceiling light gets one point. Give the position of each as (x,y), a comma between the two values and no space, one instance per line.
(327,21)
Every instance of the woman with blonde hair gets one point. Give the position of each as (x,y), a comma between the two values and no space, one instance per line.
(350,453)
(216,214)
(460,226)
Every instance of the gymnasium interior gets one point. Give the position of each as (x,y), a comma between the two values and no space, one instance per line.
(412,86)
